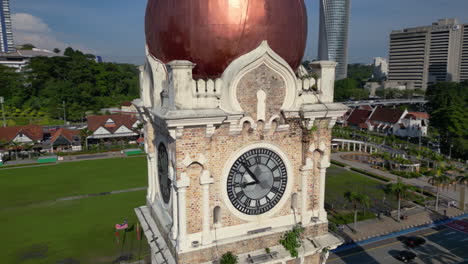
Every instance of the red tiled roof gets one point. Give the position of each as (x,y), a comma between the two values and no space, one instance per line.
(97,121)
(66,133)
(358,116)
(387,115)
(419,115)
(366,107)
(33,132)
(364,125)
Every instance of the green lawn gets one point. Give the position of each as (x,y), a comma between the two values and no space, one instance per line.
(23,186)
(66,232)
(35,229)
(340,180)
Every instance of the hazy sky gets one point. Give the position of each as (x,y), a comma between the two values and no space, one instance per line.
(114,28)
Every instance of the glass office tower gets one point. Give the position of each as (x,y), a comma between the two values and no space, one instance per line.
(6,33)
(333,35)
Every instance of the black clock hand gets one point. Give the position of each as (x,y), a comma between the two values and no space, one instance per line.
(243,185)
(250,173)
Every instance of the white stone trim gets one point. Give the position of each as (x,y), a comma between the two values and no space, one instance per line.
(263,54)
(225,172)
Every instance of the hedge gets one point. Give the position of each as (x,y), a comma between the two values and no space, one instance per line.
(382,178)
(337,163)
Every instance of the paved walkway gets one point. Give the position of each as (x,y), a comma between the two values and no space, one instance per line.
(386,225)
(448,194)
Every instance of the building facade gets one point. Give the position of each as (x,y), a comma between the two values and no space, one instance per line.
(380,68)
(232,163)
(425,55)
(333,35)
(6,32)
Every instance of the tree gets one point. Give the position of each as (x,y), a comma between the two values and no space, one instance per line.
(84,134)
(349,89)
(57,51)
(357,199)
(438,180)
(463,181)
(399,189)
(28,47)
(447,105)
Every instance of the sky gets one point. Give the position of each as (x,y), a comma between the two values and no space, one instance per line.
(114,29)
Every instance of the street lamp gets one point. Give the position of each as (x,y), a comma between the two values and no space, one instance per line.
(2,100)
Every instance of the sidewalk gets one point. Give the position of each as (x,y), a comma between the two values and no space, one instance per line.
(448,194)
(386,225)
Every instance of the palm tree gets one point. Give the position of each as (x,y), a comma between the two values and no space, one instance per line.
(463,181)
(357,199)
(15,145)
(399,189)
(438,180)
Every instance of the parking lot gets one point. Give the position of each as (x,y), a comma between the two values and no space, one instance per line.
(444,244)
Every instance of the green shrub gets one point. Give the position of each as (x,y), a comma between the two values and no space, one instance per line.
(291,240)
(337,163)
(348,218)
(228,258)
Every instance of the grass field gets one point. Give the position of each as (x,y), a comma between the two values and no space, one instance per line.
(80,230)
(70,232)
(340,180)
(23,186)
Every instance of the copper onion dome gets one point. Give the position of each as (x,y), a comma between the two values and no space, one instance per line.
(213,33)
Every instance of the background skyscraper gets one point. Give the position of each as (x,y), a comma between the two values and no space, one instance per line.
(6,33)
(425,55)
(333,35)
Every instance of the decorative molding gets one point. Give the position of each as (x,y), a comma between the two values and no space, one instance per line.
(263,54)
(187,161)
(332,122)
(206,178)
(183,182)
(202,159)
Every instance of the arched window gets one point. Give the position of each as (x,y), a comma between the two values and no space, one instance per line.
(217,215)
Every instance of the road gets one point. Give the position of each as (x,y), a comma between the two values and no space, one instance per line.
(447,243)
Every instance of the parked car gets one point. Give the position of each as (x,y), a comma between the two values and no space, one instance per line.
(413,242)
(405,256)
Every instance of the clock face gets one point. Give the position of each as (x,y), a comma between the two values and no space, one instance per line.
(257,181)
(163,173)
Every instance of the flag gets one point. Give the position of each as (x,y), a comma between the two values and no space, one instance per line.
(122,226)
(138,231)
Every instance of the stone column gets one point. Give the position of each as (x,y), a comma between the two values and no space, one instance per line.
(205,181)
(324,164)
(305,173)
(181,186)
(151,177)
(360,147)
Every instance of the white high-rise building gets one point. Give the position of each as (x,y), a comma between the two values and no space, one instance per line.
(6,33)
(380,68)
(425,55)
(333,36)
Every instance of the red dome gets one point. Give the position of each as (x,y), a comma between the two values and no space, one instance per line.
(213,33)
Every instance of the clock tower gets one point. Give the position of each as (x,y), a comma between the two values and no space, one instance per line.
(237,134)
(237,161)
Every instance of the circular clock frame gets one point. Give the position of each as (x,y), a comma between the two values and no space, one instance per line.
(164,182)
(253,216)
